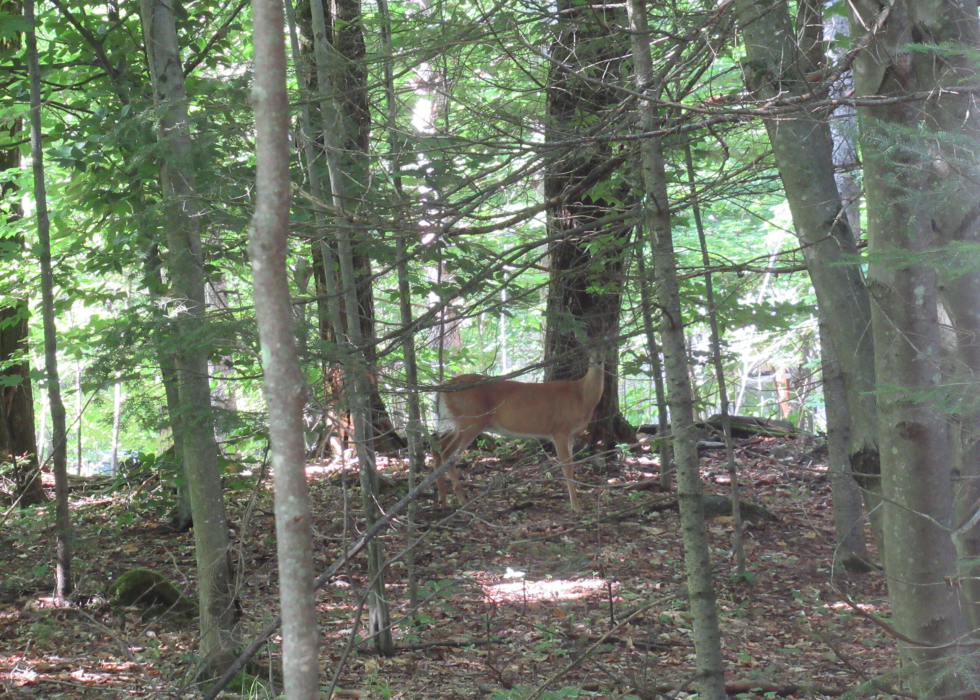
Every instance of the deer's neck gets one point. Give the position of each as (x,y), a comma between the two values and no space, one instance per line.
(593,383)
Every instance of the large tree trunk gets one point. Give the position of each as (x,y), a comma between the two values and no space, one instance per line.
(707,635)
(345,34)
(955,219)
(185,265)
(911,175)
(775,65)
(18,440)
(584,294)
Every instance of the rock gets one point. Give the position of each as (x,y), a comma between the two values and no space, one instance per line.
(148,589)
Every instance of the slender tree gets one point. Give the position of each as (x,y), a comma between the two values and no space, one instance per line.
(358,368)
(707,636)
(185,265)
(63,582)
(285,387)
(656,368)
(716,360)
(414,430)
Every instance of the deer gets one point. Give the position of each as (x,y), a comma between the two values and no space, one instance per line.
(474,403)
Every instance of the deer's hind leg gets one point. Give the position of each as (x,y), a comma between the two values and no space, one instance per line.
(450,446)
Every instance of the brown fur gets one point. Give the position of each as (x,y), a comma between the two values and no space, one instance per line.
(556,410)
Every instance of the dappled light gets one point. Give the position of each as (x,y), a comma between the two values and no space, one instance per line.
(525,590)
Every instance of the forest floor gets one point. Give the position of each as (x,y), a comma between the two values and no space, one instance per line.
(519,594)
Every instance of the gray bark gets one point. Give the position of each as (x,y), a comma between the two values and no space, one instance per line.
(907,216)
(182,517)
(774,65)
(844,129)
(63,582)
(954,165)
(850,548)
(186,271)
(285,387)
(707,636)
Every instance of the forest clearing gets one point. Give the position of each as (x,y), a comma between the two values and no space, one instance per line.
(789,632)
(278,279)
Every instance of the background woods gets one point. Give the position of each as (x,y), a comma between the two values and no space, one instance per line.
(242,248)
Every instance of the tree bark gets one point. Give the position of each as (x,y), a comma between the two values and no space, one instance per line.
(910,186)
(285,387)
(182,517)
(707,635)
(18,439)
(953,164)
(185,265)
(585,289)
(344,32)
(63,582)
(850,548)
(775,65)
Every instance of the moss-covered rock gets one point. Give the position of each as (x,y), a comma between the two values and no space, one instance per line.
(149,589)
(716,506)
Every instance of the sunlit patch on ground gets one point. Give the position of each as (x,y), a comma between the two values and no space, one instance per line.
(540,591)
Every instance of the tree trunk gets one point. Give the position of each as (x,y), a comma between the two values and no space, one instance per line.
(18,440)
(844,126)
(954,220)
(850,548)
(414,430)
(182,517)
(774,65)
(117,403)
(910,187)
(285,387)
(63,582)
(344,32)
(707,636)
(186,271)
(585,289)
(716,360)
(656,368)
